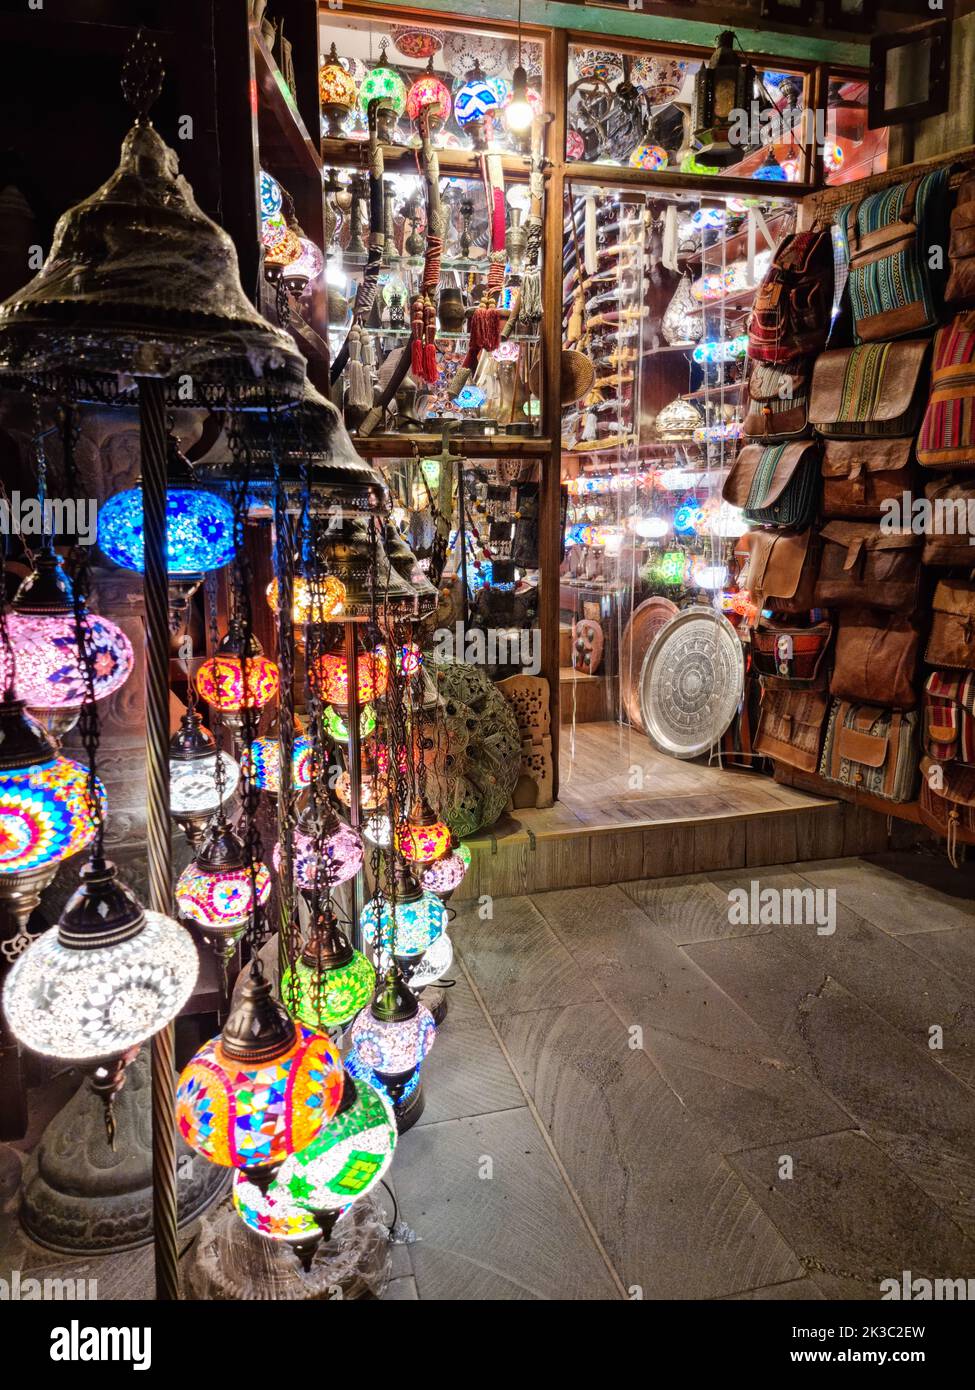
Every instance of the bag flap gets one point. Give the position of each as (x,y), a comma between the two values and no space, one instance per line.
(963,214)
(775,562)
(955,596)
(950,780)
(760,474)
(851,458)
(949,491)
(874,382)
(767,383)
(859,746)
(797,251)
(855,536)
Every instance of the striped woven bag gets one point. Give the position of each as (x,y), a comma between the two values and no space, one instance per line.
(947,438)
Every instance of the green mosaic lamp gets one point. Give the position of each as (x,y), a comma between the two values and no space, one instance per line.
(331,981)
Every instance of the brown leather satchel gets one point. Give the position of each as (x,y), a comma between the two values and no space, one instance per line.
(790,726)
(780,569)
(947,803)
(792,658)
(871,749)
(950,539)
(952,639)
(862,564)
(960,291)
(874,391)
(860,475)
(775,484)
(876,658)
(776,402)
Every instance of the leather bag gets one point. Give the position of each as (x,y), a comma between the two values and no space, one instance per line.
(947,437)
(876,659)
(775,484)
(951,641)
(946,542)
(947,803)
(780,569)
(792,658)
(864,565)
(871,749)
(776,402)
(892,290)
(790,726)
(860,475)
(791,312)
(873,391)
(948,717)
(960,290)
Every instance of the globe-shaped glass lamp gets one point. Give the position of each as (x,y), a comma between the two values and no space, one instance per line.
(332,676)
(340,858)
(221,682)
(336,86)
(424,837)
(274,1217)
(199,530)
(335,726)
(373,791)
(383,84)
(264,761)
(331,981)
(194,782)
(428,94)
(216,889)
(377,829)
(477,98)
(270,194)
(419,919)
(105,979)
(393,1046)
(260,1090)
(444,875)
(317,600)
(348,1158)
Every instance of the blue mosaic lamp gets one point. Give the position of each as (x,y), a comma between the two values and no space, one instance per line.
(419,918)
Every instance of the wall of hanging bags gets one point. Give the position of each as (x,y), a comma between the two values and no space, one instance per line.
(863,358)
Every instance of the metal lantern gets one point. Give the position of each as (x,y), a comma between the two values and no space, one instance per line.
(723,85)
(201,779)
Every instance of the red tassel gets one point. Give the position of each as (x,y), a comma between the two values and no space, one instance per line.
(486,328)
(416,347)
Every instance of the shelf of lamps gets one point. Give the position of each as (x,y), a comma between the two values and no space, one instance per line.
(441,336)
(284,138)
(347,153)
(735,247)
(693,185)
(404,446)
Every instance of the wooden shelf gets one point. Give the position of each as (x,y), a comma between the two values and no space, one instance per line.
(464,445)
(671,180)
(286,146)
(402,159)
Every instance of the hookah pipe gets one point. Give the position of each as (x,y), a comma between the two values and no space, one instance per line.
(366,293)
(420,354)
(486,320)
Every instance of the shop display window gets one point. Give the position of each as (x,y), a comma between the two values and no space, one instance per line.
(850,150)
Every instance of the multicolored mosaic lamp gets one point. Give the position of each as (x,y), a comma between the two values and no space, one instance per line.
(220,679)
(269,191)
(44,810)
(427,93)
(392,1037)
(335,727)
(348,1157)
(326,850)
(260,1090)
(105,979)
(197,787)
(384,85)
(331,981)
(42,626)
(216,889)
(331,675)
(264,763)
(317,600)
(373,790)
(479,99)
(417,921)
(273,1217)
(337,91)
(444,875)
(424,837)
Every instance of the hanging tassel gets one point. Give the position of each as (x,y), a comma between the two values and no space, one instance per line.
(574,331)
(430,343)
(589,425)
(360,391)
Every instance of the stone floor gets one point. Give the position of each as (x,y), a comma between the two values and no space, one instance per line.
(626,1076)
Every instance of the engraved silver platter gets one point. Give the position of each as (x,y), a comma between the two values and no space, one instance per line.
(691,682)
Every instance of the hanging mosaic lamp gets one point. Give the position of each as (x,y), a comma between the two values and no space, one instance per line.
(649,157)
(273,1217)
(433,964)
(348,1157)
(377,829)
(269,192)
(335,728)
(418,920)
(260,1090)
(331,676)
(427,93)
(325,851)
(393,1036)
(317,600)
(424,837)
(196,788)
(770,169)
(199,524)
(216,889)
(220,679)
(373,791)
(444,875)
(477,99)
(337,91)
(44,811)
(304,268)
(331,981)
(105,979)
(384,89)
(41,622)
(263,763)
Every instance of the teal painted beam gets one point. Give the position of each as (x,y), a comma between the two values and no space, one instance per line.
(647,25)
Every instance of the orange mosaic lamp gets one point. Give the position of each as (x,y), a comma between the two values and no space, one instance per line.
(221,681)
(317,600)
(263,1089)
(424,837)
(331,672)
